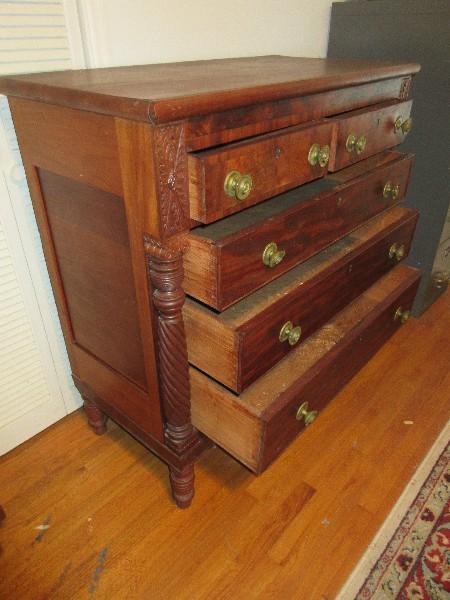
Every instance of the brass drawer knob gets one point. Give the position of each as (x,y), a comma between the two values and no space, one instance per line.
(401,315)
(319,155)
(391,190)
(402,125)
(356,144)
(303,412)
(397,251)
(290,333)
(271,256)
(238,186)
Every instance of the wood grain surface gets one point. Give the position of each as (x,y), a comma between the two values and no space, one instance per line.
(240,344)
(90,237)
(313,372)
(66,142)
(276,162)
(295,532)
(375,123)
(228,125)
(223,261)
(172,91)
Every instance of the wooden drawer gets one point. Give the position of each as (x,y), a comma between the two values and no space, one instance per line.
(257,425)
(273,163)
(223,262)
(362,133)
(240,344)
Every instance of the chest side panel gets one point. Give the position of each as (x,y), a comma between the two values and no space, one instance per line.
(90,242)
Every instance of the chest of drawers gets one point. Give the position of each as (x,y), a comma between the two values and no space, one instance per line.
(223,239)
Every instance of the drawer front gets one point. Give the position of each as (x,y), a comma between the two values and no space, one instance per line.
(314,303)
(366,132)
(238,267)
(228,179)
(322,383)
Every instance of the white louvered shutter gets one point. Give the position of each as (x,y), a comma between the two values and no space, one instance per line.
(35,384)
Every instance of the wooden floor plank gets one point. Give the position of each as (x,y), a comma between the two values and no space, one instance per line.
(295,532)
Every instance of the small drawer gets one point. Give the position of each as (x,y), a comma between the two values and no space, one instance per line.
(229,178)
(258,424)
(242,343)
(363,133)
(226,261)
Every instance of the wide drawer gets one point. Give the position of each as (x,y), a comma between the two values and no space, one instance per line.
(240,344)
(257,425)
(232,177)
(226,261)
(365,132)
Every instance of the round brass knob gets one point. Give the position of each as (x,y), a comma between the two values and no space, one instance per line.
(402,125)
(290,333)
(401,315)
(350,142)
(391,190)
(397,251)
(303,412)
(324,155)
(318,155)
(356,144)
(360,144)
(271,256)
(238,186)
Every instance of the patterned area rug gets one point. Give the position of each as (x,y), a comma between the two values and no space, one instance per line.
(415,564)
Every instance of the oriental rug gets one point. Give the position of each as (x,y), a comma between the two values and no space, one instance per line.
(414,561)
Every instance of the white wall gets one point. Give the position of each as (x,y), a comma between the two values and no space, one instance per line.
(36,388)
(119,32)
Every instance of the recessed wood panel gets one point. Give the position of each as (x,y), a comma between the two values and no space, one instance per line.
(89,232)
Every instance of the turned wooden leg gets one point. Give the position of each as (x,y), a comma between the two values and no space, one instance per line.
(96,419)
(182,482)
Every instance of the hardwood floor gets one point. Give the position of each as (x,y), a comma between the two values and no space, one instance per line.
(108,528)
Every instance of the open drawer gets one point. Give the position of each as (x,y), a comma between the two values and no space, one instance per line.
(362,133)
(229,178)
(243,342)
(258,424)
(226,261)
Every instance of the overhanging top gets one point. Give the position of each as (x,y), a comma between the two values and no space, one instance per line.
(168,92)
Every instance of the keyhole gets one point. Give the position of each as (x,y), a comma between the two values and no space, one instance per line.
(278,152)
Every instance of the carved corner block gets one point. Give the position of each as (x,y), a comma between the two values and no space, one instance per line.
(165,272)
(172,179)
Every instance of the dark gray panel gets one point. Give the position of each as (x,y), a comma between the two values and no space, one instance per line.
(410,31)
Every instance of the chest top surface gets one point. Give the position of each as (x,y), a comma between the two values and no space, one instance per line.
(172,91)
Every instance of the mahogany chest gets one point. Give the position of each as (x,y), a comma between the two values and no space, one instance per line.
(224,240)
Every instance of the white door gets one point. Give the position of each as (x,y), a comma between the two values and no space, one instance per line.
(35,384)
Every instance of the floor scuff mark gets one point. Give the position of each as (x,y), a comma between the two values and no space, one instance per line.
(42,529)
(98,570)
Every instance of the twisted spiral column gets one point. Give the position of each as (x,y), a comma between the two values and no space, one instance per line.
(165,272)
